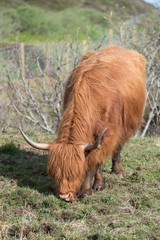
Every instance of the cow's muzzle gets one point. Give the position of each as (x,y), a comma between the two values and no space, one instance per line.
(68,197)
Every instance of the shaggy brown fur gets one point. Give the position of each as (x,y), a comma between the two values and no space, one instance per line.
(107,89)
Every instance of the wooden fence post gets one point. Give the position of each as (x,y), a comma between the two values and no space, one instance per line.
(22,60)
(47,58)
(84,43)
(110,36)
(67,56)
(134,36)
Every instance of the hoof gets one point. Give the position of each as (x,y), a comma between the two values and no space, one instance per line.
(119,173)
(81,194)
(97,187)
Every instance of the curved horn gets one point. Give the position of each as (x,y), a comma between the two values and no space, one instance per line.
(95,145)
(41,146)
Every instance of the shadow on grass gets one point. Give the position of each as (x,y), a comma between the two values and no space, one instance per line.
(28,168)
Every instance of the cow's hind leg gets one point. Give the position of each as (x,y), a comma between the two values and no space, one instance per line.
(117,164)
(99,184)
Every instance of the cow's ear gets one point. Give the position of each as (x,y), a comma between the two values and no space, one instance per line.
(89,147)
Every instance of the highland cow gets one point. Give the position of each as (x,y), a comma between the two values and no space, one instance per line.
(103,106)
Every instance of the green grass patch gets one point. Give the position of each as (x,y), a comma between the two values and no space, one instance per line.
(127,209)
(9,148)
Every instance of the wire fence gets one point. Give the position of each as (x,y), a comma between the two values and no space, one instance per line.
(47,51)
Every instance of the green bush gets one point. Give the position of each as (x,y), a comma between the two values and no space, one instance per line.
(33,21)
(8,22)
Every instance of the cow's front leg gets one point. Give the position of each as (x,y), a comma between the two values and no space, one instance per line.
(99,184)
(117,164)
(86,189)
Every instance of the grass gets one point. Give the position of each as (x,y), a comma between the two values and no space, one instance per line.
(127,209)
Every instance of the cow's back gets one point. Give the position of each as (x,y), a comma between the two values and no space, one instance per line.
(113,82)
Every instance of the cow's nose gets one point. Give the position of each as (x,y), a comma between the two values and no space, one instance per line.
(68,197)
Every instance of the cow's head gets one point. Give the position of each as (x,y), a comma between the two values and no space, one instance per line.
(67,164)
